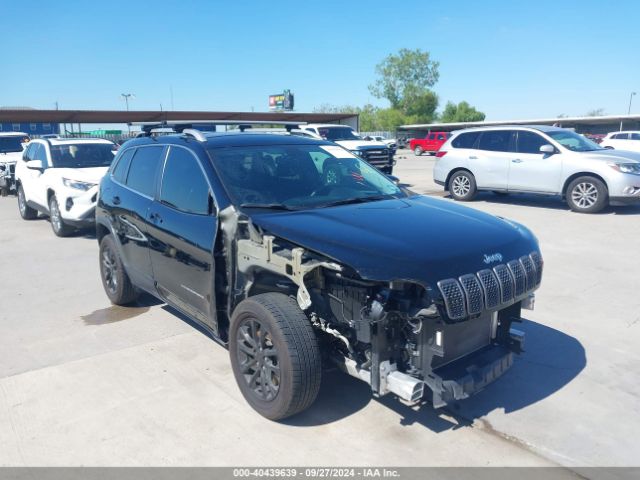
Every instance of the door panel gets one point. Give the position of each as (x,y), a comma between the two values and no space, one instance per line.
(182,235)
(489,162)
(532,171)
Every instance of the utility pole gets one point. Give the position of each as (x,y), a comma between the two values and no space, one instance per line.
(126,97)
(629,109)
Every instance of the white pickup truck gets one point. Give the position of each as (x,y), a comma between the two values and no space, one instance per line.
(378,154)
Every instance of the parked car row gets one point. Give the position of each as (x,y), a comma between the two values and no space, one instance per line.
(539,159)
(294,251)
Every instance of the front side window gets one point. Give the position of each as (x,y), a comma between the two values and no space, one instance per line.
(10,144)
(184,186)
(299,176)
(40,153)
(495,140)
(635,136)
(572,141)
(620,136)
(529,142)
(142,171)
(82,155)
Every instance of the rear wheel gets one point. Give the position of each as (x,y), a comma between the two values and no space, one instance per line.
(26,212)
(462,186)
(275,355)
(115,280)
(418,150)
(58,226)
(587,195)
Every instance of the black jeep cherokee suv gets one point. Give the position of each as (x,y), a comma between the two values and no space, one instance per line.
(293,251)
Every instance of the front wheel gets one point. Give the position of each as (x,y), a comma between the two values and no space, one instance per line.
(462,186)
(58,226)
(418,150)
(587,195)
(275,355)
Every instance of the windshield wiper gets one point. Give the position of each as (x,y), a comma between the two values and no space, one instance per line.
(347,201)
(268,206)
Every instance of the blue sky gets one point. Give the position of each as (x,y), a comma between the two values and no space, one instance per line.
(509,59)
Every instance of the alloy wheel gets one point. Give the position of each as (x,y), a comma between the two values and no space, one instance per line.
(54,214)
(258,359)
(584,195)
(461,186)
(110,270)
(22,204)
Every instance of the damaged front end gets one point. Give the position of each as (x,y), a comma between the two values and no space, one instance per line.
(7,177)
(443,341)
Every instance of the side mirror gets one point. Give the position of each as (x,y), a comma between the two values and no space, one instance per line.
(547,149)
(35,165)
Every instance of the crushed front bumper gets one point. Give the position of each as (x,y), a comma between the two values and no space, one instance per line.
(468,375)
(7,177)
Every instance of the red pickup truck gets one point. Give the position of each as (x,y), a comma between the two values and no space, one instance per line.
(431,143)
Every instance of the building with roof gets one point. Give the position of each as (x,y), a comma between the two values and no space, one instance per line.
(586,125)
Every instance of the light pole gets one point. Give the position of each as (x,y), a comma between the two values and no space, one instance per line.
(629,109)
(126,97)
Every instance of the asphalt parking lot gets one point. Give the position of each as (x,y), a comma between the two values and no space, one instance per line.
(86,383)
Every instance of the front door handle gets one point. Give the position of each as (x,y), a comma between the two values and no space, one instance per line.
(516,160)
(473,157)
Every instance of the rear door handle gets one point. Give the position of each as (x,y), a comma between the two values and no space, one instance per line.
(116,200)
(473,157)
(516,160)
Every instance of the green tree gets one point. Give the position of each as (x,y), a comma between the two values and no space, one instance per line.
(404,77)
(421,108)
(388,119)
(462,112)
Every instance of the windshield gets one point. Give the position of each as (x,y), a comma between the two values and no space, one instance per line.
(338,133)
(82,155)
(573,141)
(298,176)
(10,144)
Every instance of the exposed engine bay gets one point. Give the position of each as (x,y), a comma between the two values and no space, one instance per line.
(398,336)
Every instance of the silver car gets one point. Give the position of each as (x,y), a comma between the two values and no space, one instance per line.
(538,159)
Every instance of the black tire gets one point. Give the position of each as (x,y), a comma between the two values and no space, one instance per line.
(462,186)
(418,150)
(58,226)
(291,383)
(26,212)
(115,280)
(587,195)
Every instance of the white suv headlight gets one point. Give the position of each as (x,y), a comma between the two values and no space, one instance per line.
(632,168)
(77,184)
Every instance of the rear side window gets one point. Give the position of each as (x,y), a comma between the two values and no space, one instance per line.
(142,172)
(120,169)
(529,142)
(184,186)
(465,140)
(621,136)
(635,136)
(432,136)
(495,141)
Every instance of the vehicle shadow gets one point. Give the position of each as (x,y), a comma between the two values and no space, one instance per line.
(551,362)
(544,201)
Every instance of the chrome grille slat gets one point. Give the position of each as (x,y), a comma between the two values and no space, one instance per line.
(505,279)
(454,300)
(537,261)
(529,271)
(474,293)
(491,288)
(517,270)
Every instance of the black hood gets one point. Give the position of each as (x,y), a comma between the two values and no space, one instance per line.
(418,238)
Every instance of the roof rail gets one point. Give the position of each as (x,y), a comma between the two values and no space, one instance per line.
(197,134)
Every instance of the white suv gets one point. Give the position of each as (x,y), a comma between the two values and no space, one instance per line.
(60,177)
(622,141)
(11,147)
(538,159)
